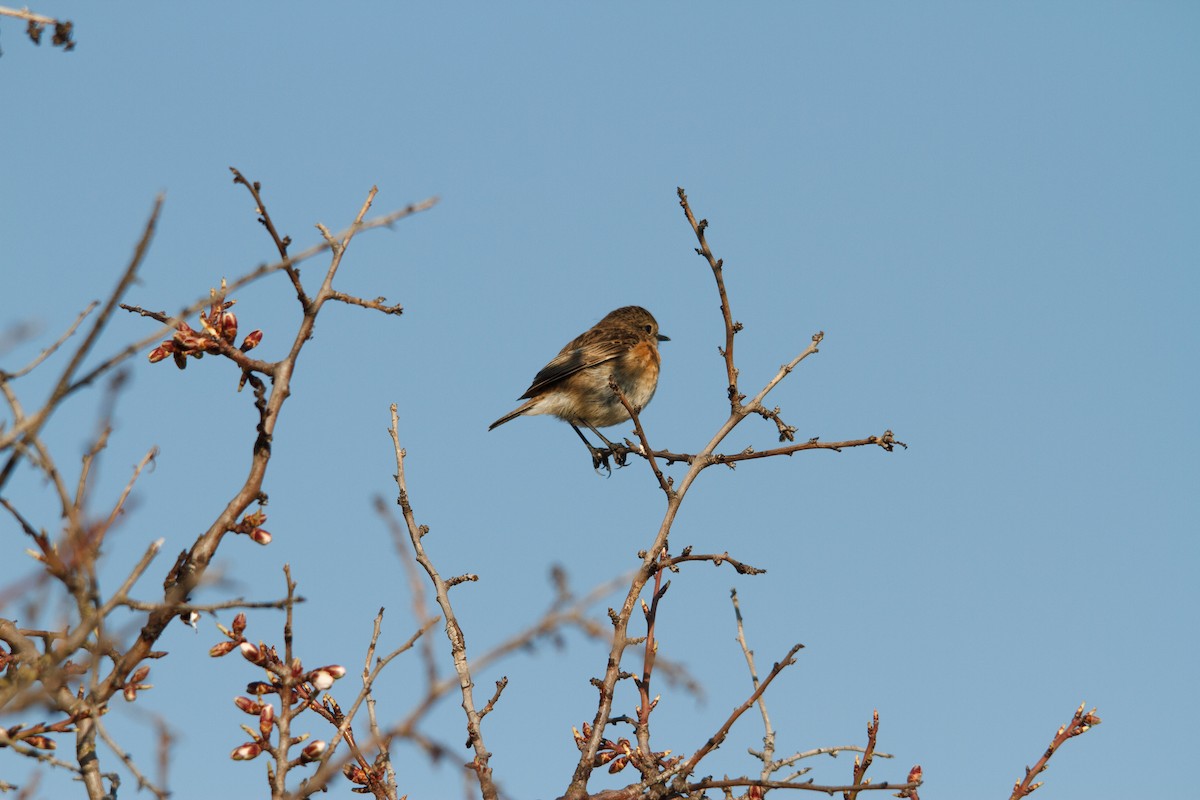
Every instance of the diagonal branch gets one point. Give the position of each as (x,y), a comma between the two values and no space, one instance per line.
(1080,723)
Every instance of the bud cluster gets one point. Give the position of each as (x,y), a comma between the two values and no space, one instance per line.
(621,753)
(218,329)
(295,687)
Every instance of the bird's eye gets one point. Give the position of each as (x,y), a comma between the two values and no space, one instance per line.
(649,329)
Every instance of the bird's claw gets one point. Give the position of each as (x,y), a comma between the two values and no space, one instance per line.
(601,456)
(600,459)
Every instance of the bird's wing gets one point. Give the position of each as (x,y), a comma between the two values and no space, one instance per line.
(586,351)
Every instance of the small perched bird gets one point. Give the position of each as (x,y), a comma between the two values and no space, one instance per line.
(574,385)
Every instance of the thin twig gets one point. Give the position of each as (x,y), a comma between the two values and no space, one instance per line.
(281,242)
(1081,722)
(458,643)
(768,751)
(717,265)
(716,739)
(385,221)
(49,351)
(143,782)
(861,765)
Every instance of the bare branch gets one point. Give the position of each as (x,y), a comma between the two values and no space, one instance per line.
(281,242)
(458,643)
(717,265)
(768,752)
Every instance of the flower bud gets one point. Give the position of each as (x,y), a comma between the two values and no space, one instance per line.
(251,652)
(221,648)
(313,750)
(266,719)
(239,623)
(246,752)
(248,705)
(259,536)
(227,325)
(252,340)
(162,351)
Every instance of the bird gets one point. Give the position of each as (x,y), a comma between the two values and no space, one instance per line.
(574,385)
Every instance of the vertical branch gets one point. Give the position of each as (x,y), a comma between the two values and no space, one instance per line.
(862,764)
(768,751)
(458,643)
(287,685)
(646,705)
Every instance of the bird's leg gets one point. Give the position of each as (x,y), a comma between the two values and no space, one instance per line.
(599,457)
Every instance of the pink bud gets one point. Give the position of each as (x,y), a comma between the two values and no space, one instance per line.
(252,340)
(259,536)
(228,326)
(266,719)
(130,693)
(251,652)
(162,351)
(248,705)
(239,623)
(313,750)
(246,752)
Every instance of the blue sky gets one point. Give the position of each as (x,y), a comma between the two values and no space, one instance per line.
(991,211)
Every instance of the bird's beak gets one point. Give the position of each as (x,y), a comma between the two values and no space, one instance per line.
(662,338)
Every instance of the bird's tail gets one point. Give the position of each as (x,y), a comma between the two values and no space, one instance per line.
(516,412)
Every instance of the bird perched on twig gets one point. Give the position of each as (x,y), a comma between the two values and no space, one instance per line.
(574,385)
